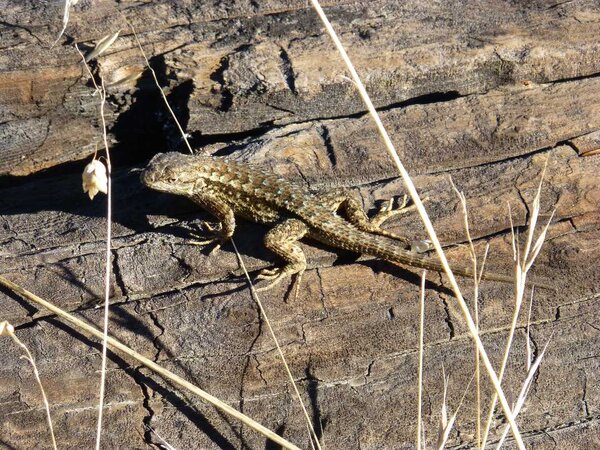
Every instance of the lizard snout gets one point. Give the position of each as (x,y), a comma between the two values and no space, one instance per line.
(149,176)
(160,168)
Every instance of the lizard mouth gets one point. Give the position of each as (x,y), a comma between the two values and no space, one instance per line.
(147,177)
(153,178)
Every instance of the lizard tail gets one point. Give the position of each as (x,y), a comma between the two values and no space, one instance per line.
(361,242)
(465,272)
(434,265)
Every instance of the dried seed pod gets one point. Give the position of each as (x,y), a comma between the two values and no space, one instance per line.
(94,178)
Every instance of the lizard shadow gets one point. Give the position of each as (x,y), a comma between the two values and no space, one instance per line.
(54,193)
(408,275)
(342,258)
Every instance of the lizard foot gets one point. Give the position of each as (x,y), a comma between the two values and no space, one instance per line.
(269,274)
(202,241)
(216,236)
(276,275)
(387,210)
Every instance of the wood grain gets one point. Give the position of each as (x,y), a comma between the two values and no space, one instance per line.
(487,93)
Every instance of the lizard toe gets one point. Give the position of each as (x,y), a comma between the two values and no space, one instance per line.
(269,274)
(274,281)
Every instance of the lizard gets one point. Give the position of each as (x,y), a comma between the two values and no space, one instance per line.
(227,188)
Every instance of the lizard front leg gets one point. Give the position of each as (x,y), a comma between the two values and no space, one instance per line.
(225,219)
(282,240)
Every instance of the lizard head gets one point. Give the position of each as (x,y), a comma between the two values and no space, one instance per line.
(170,172)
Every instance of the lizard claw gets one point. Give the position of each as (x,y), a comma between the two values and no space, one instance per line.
(211,227)
(269,274)
(387,210)
(275,280)
(276,275)
(216,240)
(201,243)
(388,206)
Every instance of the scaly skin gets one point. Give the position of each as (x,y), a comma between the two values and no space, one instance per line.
(229,188)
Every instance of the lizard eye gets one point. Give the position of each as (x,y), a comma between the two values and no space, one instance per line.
(172,180)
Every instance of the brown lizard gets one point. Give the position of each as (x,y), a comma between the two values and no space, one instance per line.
(227,188)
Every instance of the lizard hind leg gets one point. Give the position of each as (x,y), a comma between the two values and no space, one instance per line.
(353,211)
(282,240)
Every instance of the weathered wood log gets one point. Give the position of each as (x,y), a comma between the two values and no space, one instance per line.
(237,70)
(485,92)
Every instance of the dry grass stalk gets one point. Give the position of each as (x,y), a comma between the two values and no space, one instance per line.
(421,444)
(523,263)
(532,369)
(6,329)
(477,275)
(446,425)
(107,265)
(410,187)
(528,341)
(443,425)
(65,21)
